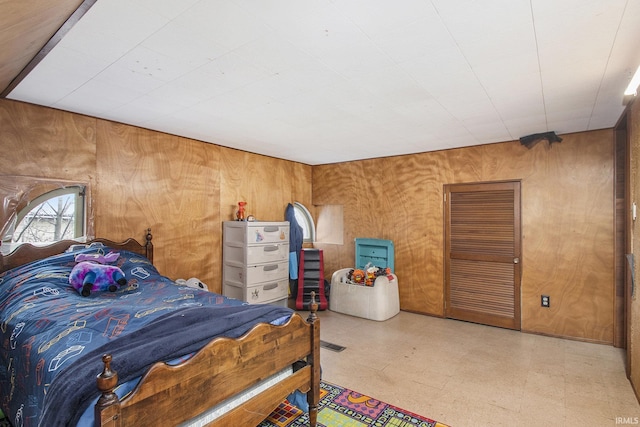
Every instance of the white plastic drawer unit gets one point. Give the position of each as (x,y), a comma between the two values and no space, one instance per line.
(256,254)
(255,259)
(253,274)
(249,233)
(259,294)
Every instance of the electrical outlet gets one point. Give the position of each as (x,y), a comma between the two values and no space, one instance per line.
(545,301)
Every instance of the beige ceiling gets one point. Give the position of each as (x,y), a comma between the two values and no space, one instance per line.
(325,81)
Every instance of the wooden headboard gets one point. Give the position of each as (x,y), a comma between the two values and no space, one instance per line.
(26,253)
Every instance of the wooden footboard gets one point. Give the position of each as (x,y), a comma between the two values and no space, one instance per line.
(170,395)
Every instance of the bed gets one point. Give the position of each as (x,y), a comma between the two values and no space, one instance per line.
(151,353)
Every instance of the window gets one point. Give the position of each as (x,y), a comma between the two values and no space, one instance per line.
(305,221)
(53,216)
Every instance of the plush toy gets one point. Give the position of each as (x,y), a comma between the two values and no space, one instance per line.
(370,276)
(89,275)
(192,283)
(98,257)
(357,276)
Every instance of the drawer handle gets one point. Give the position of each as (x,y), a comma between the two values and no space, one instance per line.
(270,248)
(271,228)
(269,287)
(270,267)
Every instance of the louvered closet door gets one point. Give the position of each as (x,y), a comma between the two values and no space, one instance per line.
(482,253)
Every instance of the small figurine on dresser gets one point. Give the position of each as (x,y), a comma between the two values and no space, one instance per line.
(240,212)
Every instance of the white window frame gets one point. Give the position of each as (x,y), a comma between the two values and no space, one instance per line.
(305,220)
(80,217)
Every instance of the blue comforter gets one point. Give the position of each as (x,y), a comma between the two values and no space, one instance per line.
(52,338)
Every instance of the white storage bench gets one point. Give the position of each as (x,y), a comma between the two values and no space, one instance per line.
(377,302)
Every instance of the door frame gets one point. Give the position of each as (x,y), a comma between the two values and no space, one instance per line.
(517,256)
(622,243)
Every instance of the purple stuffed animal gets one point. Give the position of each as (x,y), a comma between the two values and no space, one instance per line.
(90,276)
(99,258)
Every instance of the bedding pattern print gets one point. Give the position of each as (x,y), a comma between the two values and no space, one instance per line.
(51,337)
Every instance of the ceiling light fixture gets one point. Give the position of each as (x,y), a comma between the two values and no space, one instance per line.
(632,89)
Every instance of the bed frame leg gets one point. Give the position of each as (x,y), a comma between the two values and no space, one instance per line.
(313,396)
(107,409)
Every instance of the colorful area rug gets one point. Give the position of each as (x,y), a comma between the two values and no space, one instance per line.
(339,406)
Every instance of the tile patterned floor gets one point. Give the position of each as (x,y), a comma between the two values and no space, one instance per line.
(467,375)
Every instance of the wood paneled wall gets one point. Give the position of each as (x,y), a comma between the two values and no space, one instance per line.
(183,189)
(170,184)
(46,143)
(634,332)
(567,218)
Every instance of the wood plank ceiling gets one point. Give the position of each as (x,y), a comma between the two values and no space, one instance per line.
(25,29)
